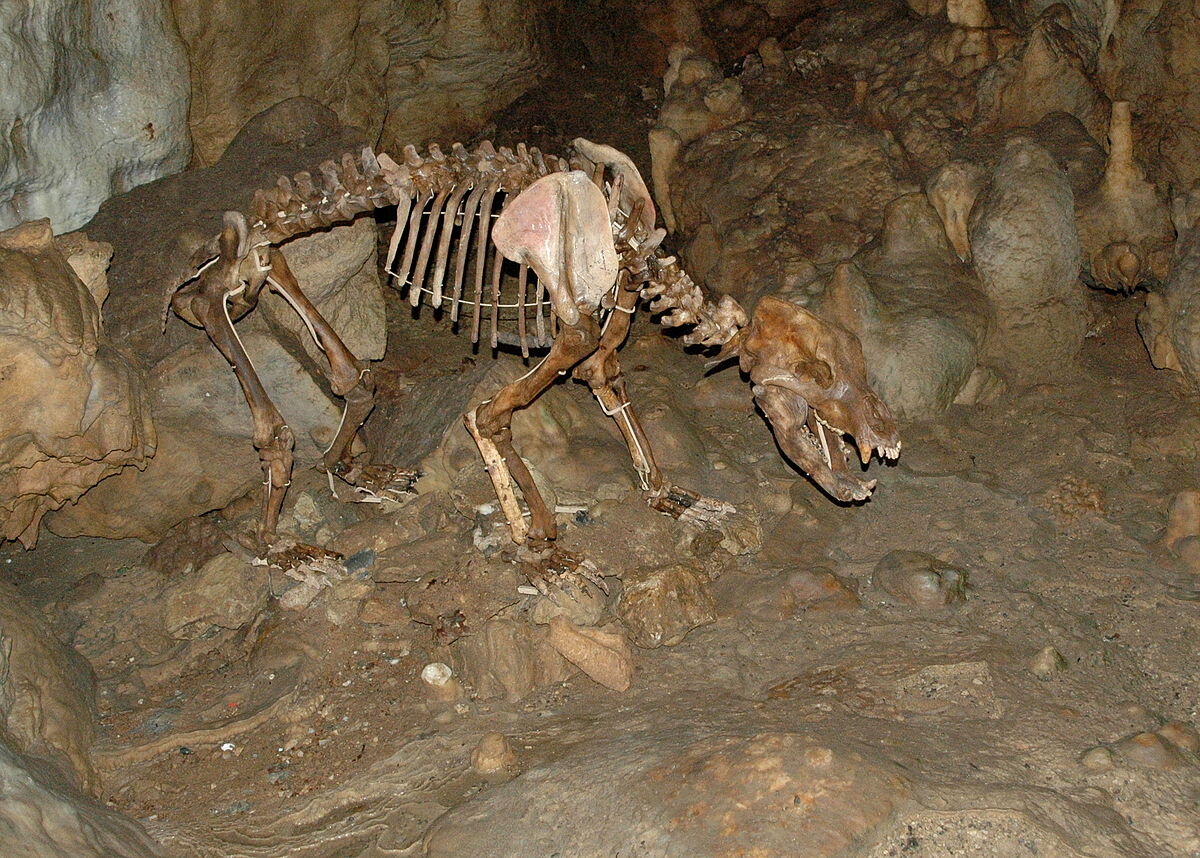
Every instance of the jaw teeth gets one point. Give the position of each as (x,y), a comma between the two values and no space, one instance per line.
(884,452)
(889,452)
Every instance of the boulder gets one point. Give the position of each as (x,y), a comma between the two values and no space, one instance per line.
(1170,322)
(919,312)
(46,734)
(1026,251)
(661,607)
(94,102)
(42,816)
(75,408)
(47,693)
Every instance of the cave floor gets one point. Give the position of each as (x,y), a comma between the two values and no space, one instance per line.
(300,735)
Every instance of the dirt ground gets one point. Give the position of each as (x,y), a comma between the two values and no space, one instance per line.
(1047,707)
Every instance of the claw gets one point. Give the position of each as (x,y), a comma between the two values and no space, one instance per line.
(377,483)
(288,555)
(554,567)
(690,507)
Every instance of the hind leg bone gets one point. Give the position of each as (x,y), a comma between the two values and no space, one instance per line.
(350,379)
(491,426)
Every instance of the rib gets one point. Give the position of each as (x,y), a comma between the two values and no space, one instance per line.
(410,247)
(443,252)
(427,245)
(485,220)
(522,324)
(464,245)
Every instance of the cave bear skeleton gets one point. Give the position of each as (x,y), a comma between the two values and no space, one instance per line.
(582,236)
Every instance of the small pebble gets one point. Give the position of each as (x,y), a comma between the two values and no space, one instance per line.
(1148,750)
(441,686)
(1097,759)
(1181,735)
(493,754)
(1047,663)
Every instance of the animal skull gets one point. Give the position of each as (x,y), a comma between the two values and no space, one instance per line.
(810,380)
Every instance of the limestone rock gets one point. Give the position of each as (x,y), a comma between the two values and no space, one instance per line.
(662,607)
(44,817)
(226,592)
(47,693)
(1027,253)
(762,207)
(960,690)
(1045,73)
(75,408)
(404,71)
(94,102)
(604,656)
(768,794)
(1170,322)
(507,659)
(920,315)
(493,754)
(916,578)
(1124,228)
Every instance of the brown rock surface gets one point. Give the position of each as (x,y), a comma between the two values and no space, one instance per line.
(403,71)
(75,408)
(47,693)
(661,607)
(765,794)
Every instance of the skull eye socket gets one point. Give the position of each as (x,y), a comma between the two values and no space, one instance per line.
(817,370)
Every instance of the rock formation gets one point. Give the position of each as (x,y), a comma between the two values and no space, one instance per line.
(75,407)
(403,71)
(94,102)
(1026,250)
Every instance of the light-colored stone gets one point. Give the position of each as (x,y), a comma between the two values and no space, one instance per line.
(604,656)
(1170,322)
(47,693)
(44,817)
(441,685)
(1048,663)
(493,754)
(508,659)
(1148,750)
(1026,251)
(75,409)
(919,579)
(94,102)
(226,592)
(661,607)
(921,316)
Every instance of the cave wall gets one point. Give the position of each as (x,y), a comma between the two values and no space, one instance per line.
(94,103)
(402,71)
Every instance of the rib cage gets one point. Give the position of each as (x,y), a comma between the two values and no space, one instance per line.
(445,207)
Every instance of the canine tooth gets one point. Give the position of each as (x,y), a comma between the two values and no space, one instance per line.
(824,443)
